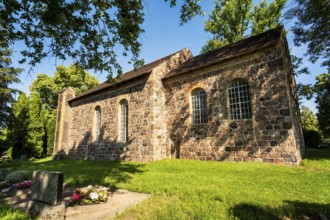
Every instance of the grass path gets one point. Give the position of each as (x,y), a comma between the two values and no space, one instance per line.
(184,189)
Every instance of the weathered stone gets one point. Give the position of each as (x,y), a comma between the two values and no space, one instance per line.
(259,160)
(47,187)
(46,212)
(286,125)
(285,112)
(160,121)
(269,160)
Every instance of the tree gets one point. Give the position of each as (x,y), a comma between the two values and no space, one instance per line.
(322,91)
(44,96)
(18,127)
(36,128)
(312,136)
(266,17)
(312,27)
(230,21)
(308,119)
(8,75)
(86,31)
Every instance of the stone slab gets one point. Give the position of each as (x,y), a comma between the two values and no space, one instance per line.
(45,212)
(116,204)
(47,187)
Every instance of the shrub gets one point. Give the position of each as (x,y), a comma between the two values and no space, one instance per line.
(4,185)
(3,173)
(9,153)
(312,138)
(18,176)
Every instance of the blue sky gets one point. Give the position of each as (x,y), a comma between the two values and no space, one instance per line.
(163,35)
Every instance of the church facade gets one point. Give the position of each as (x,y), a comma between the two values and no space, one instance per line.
(236,103)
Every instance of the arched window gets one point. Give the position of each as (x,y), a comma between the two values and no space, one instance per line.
(239,100)
(198,104)
(123,120)
(97,123)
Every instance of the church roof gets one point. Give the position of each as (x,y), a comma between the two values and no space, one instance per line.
(234,50)
(141,71)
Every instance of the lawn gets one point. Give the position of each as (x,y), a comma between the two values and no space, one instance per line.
(185,189)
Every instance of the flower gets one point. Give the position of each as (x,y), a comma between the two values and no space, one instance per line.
(94,195)
(76,197)
(89,195)
(24,184)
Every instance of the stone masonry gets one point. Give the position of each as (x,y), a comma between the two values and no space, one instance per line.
(159,109)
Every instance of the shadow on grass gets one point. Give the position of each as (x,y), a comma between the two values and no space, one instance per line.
(290,210)
(84,172)
(317,154)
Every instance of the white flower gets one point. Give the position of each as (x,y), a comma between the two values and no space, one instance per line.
(93,196)
(89,187)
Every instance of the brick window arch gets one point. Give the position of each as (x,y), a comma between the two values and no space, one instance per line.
(97,123)
(123,120)
(239,100)
(198,106)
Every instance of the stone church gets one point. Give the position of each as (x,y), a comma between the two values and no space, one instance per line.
(236,103)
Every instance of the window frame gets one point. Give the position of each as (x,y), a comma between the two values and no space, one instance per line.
(239,100)
(97,124)
(123,121)
(198,102)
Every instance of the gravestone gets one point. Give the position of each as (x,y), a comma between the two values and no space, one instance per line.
(46,195)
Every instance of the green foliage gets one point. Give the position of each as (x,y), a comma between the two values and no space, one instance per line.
(7,213)
(43,107)
(86,31)
(73,76)
(9,153)
(8,75)
(18,176)
(230,21)
(322,91)
(312,27)
(3,140)
(36,128)
(17,137)
(308,119)
(266,17)
(312,135)
(189,9)
(3,173)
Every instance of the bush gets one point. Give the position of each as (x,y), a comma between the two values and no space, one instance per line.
(9,153)
(4,185)
(312,138)
(18,176)
(3,173)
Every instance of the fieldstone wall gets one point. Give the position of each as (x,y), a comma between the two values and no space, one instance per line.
(146,119)
(63,122)
(159,121)
(270,135)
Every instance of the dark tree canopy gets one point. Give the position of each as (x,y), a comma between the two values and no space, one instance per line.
(8,75)
(86,31)
(312,27)
(322,91)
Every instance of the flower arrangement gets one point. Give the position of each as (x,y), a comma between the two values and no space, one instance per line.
(24,184)
(89,195)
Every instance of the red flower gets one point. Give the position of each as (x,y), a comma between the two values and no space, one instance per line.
(76,197)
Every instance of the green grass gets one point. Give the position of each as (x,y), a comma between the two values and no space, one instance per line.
(183,189)
(7,213)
